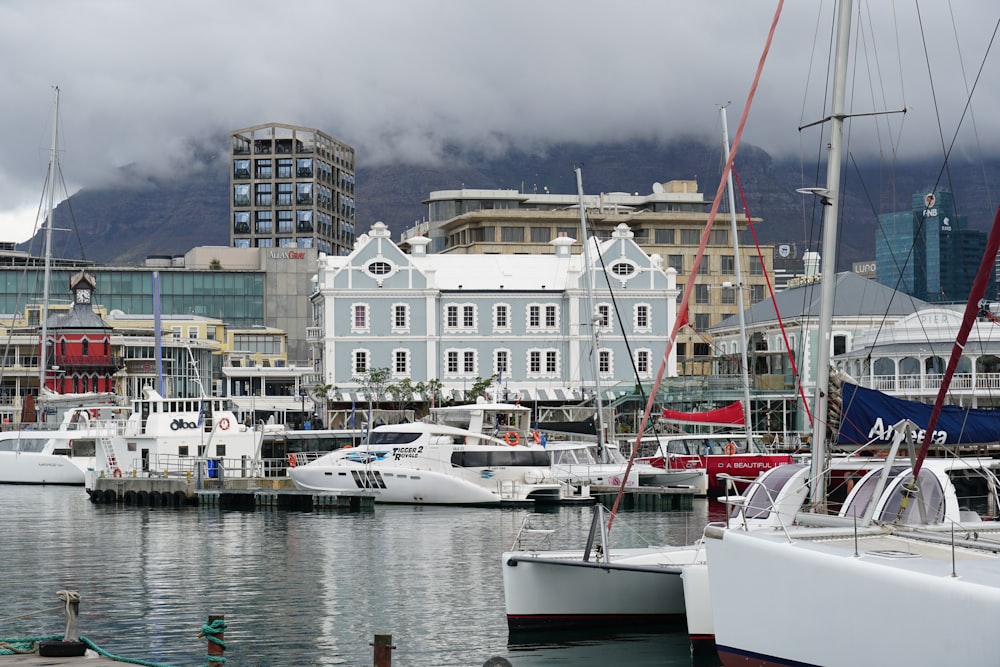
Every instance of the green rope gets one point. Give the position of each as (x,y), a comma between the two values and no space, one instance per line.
(209,631)
(30,645)
(22,644)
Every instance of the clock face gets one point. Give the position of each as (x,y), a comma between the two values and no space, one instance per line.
(83,296)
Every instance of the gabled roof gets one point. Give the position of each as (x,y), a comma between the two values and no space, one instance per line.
(854,296)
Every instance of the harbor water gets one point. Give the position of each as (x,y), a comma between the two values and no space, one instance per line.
(302,588)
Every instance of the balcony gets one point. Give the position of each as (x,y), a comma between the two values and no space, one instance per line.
(314,334)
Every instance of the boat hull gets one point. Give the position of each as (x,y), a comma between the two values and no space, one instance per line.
(820,595)
(36,468)
(414,486)
(553,590)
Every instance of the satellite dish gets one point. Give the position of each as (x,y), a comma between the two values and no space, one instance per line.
(657,188)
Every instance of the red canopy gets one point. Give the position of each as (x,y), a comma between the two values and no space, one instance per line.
(731,415)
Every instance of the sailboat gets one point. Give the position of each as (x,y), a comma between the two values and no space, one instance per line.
(887,562)
(600,585)
(61,451)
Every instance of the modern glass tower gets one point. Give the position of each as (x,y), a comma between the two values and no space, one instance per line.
(291,187)
(928,252)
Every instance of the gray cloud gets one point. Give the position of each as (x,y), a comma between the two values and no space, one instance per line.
(397,79)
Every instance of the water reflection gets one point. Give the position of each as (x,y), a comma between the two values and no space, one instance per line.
(300,588)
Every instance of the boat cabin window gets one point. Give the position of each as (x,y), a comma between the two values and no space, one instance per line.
(931,493)
(493,459)
(393,437)
(974,490)
(84,447)
(765,491)
(858,503)
(23,444)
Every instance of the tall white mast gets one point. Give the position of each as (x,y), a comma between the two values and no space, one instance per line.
(828,268)
(53,156)
(594,319)
(744,359)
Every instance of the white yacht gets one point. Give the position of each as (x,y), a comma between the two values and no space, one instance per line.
(53,454)
(476,454)
(577,462)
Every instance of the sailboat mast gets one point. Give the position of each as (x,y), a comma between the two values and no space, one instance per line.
(828,268)
(594,320)
(744,358)
(42,359)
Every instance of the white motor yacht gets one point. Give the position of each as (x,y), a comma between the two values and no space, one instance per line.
(477,454)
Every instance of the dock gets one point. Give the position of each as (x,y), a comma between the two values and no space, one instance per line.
(233,493)
(35,660)
(648,498)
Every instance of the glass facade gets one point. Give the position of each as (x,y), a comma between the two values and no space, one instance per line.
(236,297)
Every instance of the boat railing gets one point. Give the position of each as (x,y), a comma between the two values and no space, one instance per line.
(531,536)
(172,465)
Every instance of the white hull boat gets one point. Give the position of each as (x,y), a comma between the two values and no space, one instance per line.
(53,455)
(577,462)
(177,437)
(489,460)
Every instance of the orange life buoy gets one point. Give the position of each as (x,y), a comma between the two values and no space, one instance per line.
(537,437)
(292,461)
(512,438)
(117,472)
(730,448)
(224,424)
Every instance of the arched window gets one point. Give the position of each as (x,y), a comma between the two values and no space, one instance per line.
(62,347)
(85,347)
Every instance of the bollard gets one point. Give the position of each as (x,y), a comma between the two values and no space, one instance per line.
(215,631)
(382,653)
(70,645)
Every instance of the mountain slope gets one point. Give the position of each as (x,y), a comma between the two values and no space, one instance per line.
(148,216)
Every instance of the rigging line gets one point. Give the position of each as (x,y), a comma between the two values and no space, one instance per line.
(689,285)
(899,269)
(968,102)
(972,115)
(72,215)
(618,315)
(774,301)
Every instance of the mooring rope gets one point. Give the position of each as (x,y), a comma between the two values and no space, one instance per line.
(209,631)
(30,645)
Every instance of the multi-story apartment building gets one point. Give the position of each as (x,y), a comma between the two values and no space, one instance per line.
(457,317)
(291,187)
(667,222)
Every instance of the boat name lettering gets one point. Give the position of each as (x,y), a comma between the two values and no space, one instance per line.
(750,465)
(880,431)
(407,452)
(178,424)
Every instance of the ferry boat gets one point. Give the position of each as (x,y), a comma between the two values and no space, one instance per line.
(172,436)
(474,454)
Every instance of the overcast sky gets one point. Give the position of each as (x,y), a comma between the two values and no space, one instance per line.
(396,78)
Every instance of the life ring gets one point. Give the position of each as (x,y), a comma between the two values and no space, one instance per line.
(292,461)
(512,438)
(536,436)
(224,423)
(117,472)
(730,448)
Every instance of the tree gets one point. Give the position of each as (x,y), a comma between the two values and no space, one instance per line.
(479,388)
(374,382)
(401,393)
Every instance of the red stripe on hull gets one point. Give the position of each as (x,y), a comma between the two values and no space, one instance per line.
(735,658)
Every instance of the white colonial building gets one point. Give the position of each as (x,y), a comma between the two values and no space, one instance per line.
(458,318)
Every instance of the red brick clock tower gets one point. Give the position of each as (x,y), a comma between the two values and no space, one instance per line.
(79,344)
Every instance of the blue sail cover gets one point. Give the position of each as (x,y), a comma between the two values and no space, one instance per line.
(868,415)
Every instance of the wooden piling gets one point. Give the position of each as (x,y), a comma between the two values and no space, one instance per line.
(382,652)
(215,632)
